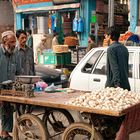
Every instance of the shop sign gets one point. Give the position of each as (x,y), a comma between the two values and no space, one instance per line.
(22,2)
(64,1)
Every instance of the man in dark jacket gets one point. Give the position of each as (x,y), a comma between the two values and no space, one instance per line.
(117,61)
(25,54)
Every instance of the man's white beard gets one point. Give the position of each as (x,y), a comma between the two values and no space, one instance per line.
(9,50)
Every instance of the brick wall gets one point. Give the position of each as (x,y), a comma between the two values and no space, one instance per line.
(6,16)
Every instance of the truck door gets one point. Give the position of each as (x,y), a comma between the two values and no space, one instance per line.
(137,73)
(97,79)
(132,70)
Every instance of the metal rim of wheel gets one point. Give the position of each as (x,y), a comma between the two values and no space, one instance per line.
(56,121)
(83,130)
(29,127)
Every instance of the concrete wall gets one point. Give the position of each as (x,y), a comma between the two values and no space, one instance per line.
(6,16)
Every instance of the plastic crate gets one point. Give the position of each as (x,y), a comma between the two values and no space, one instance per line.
(51,58)
(67,58)
(40,58)
(60,58)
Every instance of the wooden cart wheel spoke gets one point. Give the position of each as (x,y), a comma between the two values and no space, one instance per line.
(53,117)
(56,121)
(29,127)
(24,109)
(80,131)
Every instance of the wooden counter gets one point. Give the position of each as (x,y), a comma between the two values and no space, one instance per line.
(57,100)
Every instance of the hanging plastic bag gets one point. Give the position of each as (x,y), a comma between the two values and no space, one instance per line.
(40,86)
(75,25)
(80,25)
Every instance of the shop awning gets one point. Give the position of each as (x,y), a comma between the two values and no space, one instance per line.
(50,8)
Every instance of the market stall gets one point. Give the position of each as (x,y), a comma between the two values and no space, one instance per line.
(108,110)
(101,18)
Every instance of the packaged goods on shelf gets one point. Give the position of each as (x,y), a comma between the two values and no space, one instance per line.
(100,19)
(105,8)
(99,5)
(119,20)
(101,30)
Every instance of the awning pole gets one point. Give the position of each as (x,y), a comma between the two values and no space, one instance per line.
(110,13)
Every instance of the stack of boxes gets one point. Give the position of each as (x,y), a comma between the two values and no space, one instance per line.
(77,55)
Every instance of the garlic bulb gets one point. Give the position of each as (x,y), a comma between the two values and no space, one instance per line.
(115,99)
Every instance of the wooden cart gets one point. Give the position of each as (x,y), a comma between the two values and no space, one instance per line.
(26,122)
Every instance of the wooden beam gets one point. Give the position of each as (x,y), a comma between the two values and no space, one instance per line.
(49,8)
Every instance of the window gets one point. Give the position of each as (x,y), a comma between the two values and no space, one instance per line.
(91,62)
(101,66)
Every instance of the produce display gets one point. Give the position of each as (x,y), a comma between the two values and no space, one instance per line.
(114,99)
(71,41)
(60,48)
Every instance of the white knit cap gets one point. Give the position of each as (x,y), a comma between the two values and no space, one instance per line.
(4,34)
(43,37)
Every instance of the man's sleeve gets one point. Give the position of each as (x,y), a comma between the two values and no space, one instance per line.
(114,67)
(33,65)
(18,68)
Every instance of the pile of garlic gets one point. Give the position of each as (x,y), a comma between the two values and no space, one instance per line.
(115,99)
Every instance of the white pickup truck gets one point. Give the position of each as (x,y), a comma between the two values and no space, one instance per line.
(90,73)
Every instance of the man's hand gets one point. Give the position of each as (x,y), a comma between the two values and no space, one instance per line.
(117,85)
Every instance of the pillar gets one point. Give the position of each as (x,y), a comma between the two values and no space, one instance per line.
(111,13)
(133,15)
(18,21)
(86,8)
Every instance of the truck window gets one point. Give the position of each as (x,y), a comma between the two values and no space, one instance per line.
(91,62)
(101,66)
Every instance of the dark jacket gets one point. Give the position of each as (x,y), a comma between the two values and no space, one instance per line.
(8,65)
(117,66)
(25,60)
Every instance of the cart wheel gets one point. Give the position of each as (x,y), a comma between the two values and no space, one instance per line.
(80,131)
(56,121)
(29,127)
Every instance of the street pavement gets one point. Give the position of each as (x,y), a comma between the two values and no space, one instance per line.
(77,118)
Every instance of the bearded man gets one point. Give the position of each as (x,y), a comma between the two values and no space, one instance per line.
(8,70)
